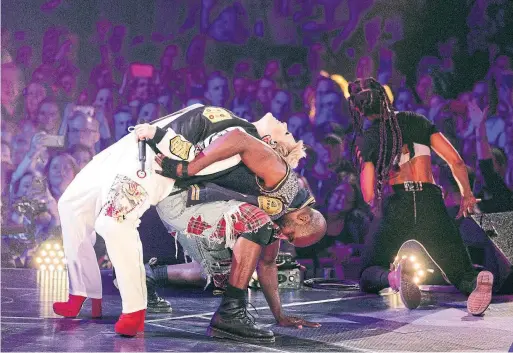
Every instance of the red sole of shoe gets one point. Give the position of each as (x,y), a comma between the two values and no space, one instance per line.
(67,315)
(96,308)
(130,332)
(481,297)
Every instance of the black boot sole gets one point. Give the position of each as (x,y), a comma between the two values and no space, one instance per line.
(159,310)
(217,333)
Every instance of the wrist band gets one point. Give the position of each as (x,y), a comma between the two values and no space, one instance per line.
(185,170)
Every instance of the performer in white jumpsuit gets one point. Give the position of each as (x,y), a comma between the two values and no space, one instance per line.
(108,197)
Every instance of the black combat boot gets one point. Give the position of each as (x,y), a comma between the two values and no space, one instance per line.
(231,321)
(155,276)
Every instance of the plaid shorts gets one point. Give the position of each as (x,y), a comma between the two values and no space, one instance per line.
(207,232)
(247,223)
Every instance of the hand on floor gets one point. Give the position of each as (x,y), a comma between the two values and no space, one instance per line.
(292,321)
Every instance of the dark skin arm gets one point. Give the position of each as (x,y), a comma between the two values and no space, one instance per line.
(448,153)
(256,155)
(268,277)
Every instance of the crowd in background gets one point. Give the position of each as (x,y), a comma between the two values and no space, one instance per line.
(92,109)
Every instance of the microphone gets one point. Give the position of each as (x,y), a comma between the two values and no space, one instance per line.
(142,158)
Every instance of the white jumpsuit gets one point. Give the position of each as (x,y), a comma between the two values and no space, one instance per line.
(109,198)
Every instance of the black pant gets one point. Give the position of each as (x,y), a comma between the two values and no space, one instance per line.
(419,215)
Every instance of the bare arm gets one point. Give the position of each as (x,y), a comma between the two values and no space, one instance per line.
(268,278)
(367,178)
(206,7)
(478,119)
(448,153)
(368,182)
(483,148)
(255,154)
(28,163)
(493,180)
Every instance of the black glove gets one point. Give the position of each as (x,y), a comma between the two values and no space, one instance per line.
(170,168)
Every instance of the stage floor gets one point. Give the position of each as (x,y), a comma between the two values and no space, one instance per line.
(351,321)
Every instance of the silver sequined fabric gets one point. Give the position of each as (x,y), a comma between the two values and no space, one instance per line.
(285,192)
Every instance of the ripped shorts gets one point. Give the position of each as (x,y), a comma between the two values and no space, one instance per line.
(208,232)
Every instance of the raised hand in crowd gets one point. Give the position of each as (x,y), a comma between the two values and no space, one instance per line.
(36,158)
(476,115)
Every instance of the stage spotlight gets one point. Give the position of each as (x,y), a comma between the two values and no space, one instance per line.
(49,254)
(51,267)
(420,273)
(412,258)
(60,268)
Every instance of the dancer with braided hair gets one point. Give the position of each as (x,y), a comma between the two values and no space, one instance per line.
(395,151)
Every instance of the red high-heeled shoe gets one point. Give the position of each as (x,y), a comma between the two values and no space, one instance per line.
(130,324)
(72,307)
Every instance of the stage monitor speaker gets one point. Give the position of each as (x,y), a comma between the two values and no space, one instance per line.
(498,247)
(290,279)
(289,273)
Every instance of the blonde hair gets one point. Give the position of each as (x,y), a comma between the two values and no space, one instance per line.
(293,154)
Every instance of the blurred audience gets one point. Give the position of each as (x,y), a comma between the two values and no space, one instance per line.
(122,121)
(49,116)
(82,155)
(493,165)
(87,92)
(34,93)
(216,89)
(61,171)
(83,130)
